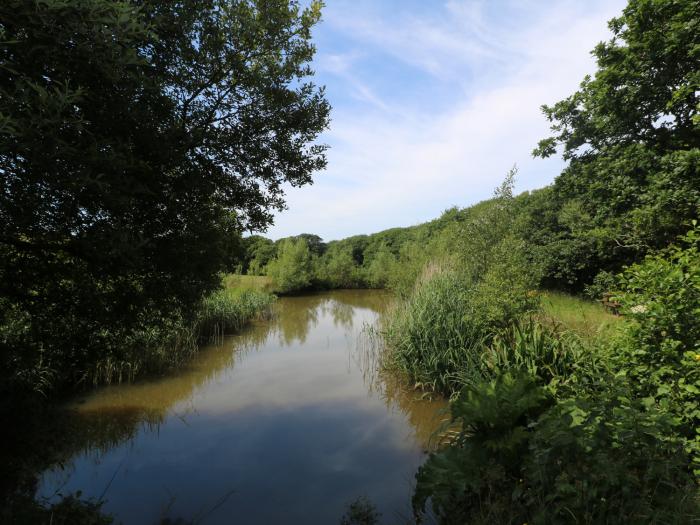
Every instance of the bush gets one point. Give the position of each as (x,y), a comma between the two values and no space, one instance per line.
(437,335)
(607,459)
(542,352)
(660,348)
(292,269)
(602,284)
(519,456)
(478,477)
(439,330)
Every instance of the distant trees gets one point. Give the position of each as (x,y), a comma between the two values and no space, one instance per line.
(259,251)
(137,139)
(292,269)
(338,268)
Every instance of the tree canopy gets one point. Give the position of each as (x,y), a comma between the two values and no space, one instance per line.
(137,139)
(631,136)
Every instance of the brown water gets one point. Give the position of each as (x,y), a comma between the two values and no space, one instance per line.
(287,422)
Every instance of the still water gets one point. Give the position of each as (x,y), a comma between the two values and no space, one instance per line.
(287,422)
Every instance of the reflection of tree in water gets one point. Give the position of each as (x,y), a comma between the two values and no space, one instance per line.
(343,314)
(112,416)
(47,438)
(296,316)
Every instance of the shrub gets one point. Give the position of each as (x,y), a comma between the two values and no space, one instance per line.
(431,336)
(292,269)
(660,348)
(478,478)
(437,335)
(519,456)
(602,284)
(607,459)
(541,351)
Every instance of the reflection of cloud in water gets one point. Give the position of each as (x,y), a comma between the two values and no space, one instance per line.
(283,409)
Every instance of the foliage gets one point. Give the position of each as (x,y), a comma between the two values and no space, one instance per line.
(541,352)
(229,310)
(437,334)
(479,474)
(603,283)
(112,227)
(258,252)
(660,349)
(631,135)
(361,512)
(521,455)
(292,269)
(616,441)
(337,268)
(608,459)
(587,319)
(381,268)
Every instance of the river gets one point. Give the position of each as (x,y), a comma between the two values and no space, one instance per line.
(286,422)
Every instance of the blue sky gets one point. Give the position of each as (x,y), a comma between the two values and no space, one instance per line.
(433,101)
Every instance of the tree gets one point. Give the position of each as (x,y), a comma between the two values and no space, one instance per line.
(292,269)
(136,140)
(259,251)
(631,136)
(337,268)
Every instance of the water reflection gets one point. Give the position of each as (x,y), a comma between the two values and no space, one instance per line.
(285,422)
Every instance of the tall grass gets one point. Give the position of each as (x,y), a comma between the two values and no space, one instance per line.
(172,342)
(229,310)
(437,335)
(260,283)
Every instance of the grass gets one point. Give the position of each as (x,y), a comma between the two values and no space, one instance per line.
(586,318)
(260,283)
(229,310)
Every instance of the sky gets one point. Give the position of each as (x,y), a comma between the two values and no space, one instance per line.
(434,101)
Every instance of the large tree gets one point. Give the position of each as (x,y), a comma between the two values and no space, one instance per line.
(137,139)
(631,136)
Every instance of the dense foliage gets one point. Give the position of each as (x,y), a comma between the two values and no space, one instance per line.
(631,135)
(137,139)
(555,429)
(586,432)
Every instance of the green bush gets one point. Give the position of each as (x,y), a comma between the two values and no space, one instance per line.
(437,336)
(552,356)
(660,348)
(607,459)
(439,329)
(338,269)
(602,284)
(292,270)
(478,477)
(520,456)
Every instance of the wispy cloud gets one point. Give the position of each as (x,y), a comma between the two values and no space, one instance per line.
(432,106)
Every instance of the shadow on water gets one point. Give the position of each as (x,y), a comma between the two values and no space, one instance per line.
(287,421)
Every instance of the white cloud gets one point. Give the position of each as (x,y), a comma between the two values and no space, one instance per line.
(400,163)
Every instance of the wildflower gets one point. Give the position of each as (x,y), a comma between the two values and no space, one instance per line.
(639,309)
